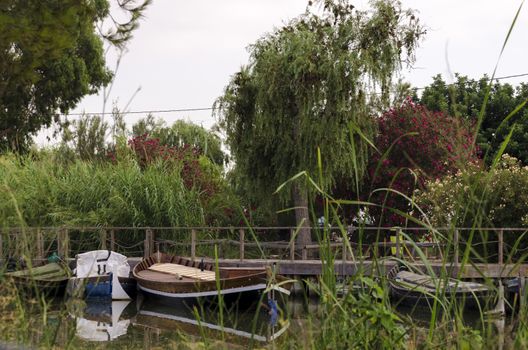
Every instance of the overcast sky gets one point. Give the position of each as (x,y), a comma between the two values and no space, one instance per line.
(184,52)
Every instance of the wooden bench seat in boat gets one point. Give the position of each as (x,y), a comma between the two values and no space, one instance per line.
(185,271)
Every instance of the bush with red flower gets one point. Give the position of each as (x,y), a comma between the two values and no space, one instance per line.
(197,171)
(414,145)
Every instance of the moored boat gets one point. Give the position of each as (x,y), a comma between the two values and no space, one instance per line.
(412,288)
(102,274)
(515,292)
(50,279)
(175,277)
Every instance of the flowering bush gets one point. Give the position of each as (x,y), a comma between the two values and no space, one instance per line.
(415,145)
(478,198)
(494,198)
(195,171)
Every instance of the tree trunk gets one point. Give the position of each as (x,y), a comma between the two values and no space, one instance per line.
(300,200)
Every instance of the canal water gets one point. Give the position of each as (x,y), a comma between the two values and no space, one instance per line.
(152,324)
(147,323)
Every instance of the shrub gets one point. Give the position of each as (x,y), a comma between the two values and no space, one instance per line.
(476,197)
(415,145)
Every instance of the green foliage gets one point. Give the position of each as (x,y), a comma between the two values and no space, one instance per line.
(304,85)
(481,198)
(500,195)
(99,194)
(307,87)
(51,55)
(363,320)
(465,97)
(84,139)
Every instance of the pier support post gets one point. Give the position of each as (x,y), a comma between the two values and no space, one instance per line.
(193,244)
(148,243)
(241,238)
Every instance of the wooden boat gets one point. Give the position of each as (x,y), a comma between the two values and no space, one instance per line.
(50,279)
(514,292)
(102,274)
(411,288)
(176,277)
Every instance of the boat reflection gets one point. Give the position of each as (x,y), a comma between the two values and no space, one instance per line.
(104,320)
(262,323)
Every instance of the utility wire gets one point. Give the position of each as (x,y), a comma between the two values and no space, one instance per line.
(149,111)
(211,108)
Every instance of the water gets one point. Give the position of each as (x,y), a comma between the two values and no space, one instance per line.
(148,323)
(152,324)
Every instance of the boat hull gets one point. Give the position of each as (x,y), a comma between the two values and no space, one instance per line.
(415,298)
(49,280)
(412,289)
(99,287)
(233,282)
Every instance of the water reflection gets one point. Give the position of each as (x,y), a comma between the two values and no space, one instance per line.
(106,320)
(102,320)
(258,322)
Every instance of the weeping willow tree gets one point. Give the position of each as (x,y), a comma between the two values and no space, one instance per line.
(311,85)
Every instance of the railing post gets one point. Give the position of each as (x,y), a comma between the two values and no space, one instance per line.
(241,238)
(40,245)
(456,247)
(344,251)
(304,253)
(63,243)
(501,248)
(112,240)
(103,238)
(148,243)
(193,244)
(398,253)
(292,245)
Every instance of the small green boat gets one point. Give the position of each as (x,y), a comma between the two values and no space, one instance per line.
(50,279)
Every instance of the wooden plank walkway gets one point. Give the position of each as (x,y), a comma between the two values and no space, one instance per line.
(307,268)
(350,268)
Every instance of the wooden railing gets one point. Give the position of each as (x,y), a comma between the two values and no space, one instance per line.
(108,240)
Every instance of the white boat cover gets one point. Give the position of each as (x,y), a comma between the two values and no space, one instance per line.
(101,262)
(102,331)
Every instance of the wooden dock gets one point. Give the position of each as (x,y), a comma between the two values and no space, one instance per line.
(313,268)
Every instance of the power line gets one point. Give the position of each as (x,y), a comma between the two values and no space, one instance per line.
(496,78)
(148,111)
(211,108)
(511,76)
